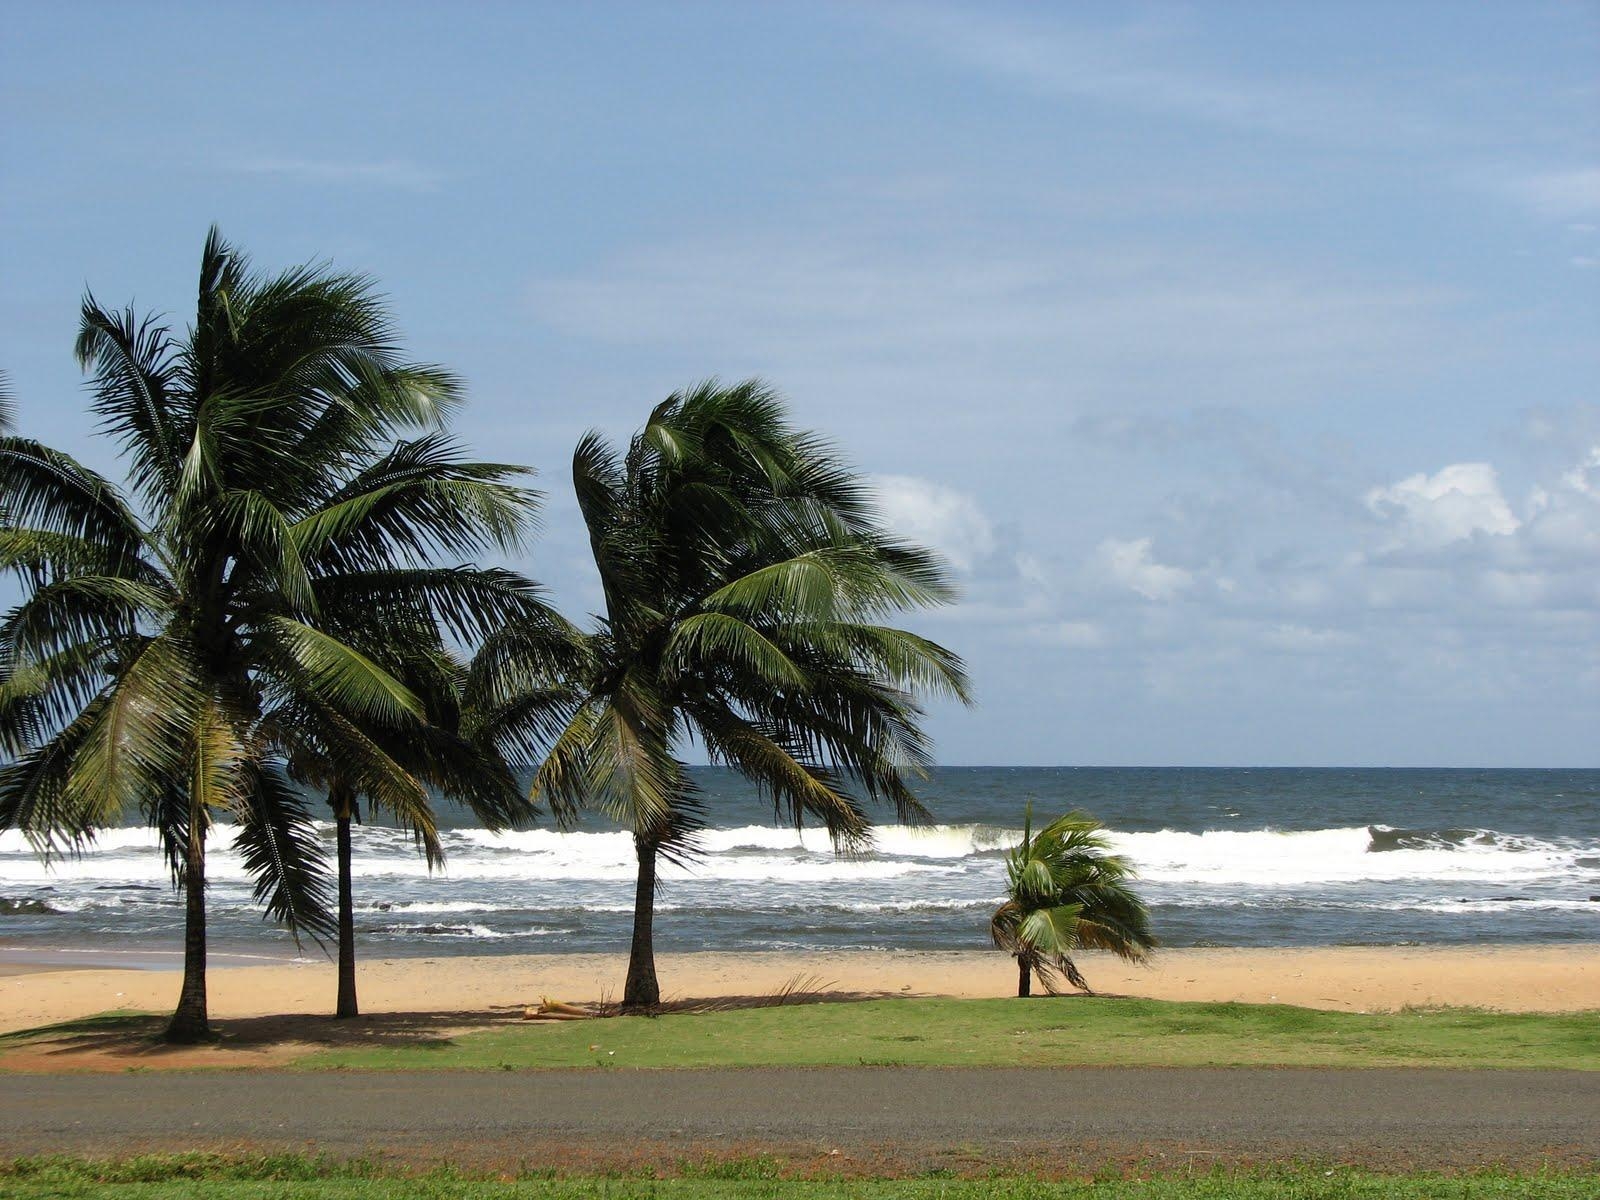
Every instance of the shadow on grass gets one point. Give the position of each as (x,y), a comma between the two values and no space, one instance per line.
(801,989)
(124,1040)
(132,1040)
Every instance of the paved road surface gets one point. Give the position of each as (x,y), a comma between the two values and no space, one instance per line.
(1390,1116)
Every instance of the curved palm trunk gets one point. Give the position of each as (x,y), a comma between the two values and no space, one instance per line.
(642,992)
(343,810)
(191,1020)
(1024,977)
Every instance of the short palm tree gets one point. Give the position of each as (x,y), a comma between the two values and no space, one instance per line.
(434,752)
(1067,892)
(745,578)
(174,648)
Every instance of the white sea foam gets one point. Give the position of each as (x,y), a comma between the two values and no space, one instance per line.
(470,931)
(1322,856)
(1495,906)
(763,855)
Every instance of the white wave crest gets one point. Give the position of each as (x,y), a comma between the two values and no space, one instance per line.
(1266,858)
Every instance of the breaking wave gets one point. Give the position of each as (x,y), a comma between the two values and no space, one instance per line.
(762,855)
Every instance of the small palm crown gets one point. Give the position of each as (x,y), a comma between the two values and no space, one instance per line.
(1067,892)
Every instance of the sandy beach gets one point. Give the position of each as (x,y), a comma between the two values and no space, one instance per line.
(1356,979)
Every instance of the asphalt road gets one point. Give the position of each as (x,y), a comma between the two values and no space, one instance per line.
(1409,1117)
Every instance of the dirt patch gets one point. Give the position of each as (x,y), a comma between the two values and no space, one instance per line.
(133,1043)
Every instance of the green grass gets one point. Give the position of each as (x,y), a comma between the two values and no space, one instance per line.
(1097,1031)
(212,1177)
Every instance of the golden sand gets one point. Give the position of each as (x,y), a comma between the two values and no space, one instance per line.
(1357,979)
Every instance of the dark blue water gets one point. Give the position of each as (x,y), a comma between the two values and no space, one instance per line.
(1228,857)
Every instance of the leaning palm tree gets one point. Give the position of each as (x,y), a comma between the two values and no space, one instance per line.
(177,644)
(745,578)
(1066,893)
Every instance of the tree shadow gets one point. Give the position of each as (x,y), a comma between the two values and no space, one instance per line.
(714,1004)
(132,1041)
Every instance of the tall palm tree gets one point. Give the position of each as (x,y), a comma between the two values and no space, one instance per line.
(745,576)
(1067,892)
(176,645)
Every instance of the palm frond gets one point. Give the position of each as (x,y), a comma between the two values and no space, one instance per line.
(418,502)
(472,603)
(278,845)
(34,790)
(339,675)
(133,362)
(706,641)
(40,696)
(797,789)
(79,609)
(51,492)
(139,741)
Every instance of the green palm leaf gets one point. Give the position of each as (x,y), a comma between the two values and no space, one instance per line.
(343,677)
(1068,893)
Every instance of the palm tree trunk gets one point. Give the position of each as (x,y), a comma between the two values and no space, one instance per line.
(642,992)
(343,810)
(1024,978)
(191,1020)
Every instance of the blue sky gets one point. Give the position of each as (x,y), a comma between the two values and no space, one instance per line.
(1242,358)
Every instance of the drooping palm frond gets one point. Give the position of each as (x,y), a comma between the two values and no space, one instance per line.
(34,796)
(140,739)
(343,678)
(278,844)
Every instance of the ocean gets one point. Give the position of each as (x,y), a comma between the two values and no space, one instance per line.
(1227,857)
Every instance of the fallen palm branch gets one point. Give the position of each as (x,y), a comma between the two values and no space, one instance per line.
(557,1010)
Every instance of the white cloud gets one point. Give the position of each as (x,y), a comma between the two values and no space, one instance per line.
(1452,505)
(937,516)
(397,174)
(1131,564)
(1585,477)
(1564,519)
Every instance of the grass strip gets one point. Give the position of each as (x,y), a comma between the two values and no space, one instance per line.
(1061,1032)
(203,1176)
